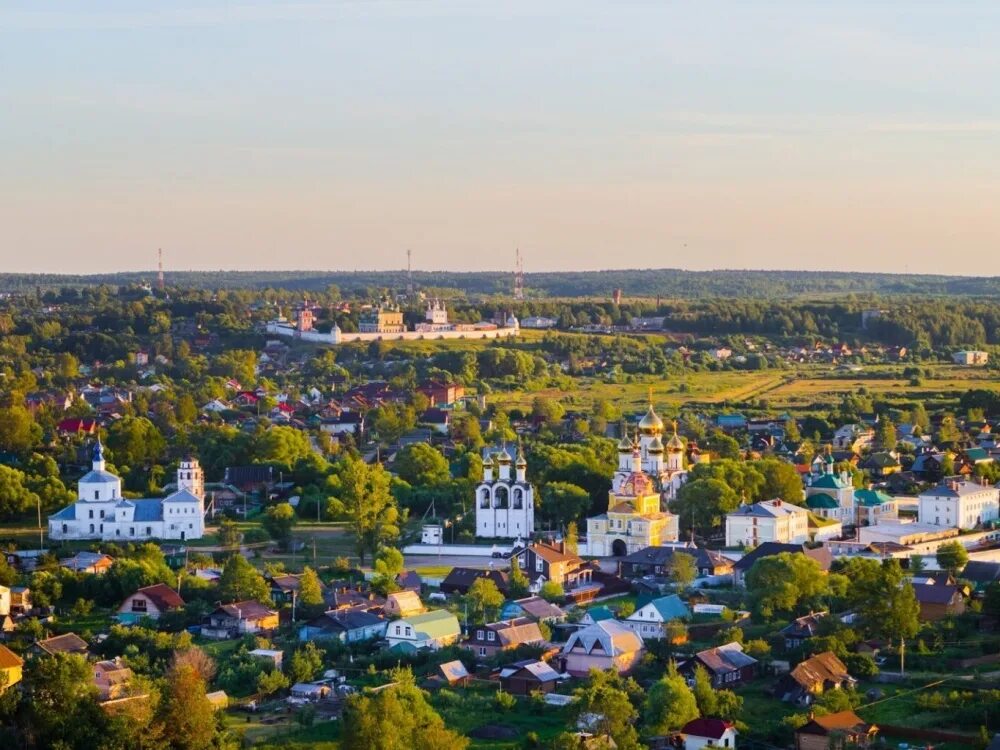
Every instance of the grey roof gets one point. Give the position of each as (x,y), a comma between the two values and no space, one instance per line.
(98,477)
(453,671)
(981,571)
(182,496)
(538,669)
(723,659)
(148,510)
(935,593)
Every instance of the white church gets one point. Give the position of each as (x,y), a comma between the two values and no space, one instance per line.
(505,504)
(101,512)
(664,463)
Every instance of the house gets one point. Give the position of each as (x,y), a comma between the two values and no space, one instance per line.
(727,665)
(821,555)
(218,700)
(271,657)
(705,732)
(20,600)
(650,619)
(240,618)
(439,420)
(528,676)
(348,625)
(430,630)
(881,464)
(285,588)
(959,503)
(442,394)
(549,561)
(800,630)
(813,677)
(873,506)
(88,562)
(409,580)
(835,732)
(70,643)
(488,640)
(5,601)
(454,673)
(767,521)
(309,691)
(10,668)
(402,604)
(938,600)
(111,677)
(149,602)
(352,422)
(533,607)
(460,579)
(607,644)
(971,358)
(656,561)
(77,426)
(981,573)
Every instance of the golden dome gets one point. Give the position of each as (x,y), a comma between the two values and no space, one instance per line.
(675,444)
(503,456)
(625,446)
(655,445)
(651,424)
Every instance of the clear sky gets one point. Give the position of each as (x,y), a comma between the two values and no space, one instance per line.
(334,135)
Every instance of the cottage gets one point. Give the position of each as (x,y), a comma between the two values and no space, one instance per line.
(88,562)
(604,645)
(798,631)
(403,604)
(533,607)
(238,619)
(5,601)
(596,614)
(431,630)
(10,668)
(727,665)
(656,561)
(309,691)
(20,600)
(835,732)
(70,643)
(650,620)
(149,602)
(527,677)
(111,678)
(218,700)
(813,677)
(705,732)
(346,625)
(459,580)
(488,640)
(938,600)
(543,562)
(454,673)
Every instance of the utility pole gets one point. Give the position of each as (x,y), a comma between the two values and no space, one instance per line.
(409,272)
(38,506)
(518,275)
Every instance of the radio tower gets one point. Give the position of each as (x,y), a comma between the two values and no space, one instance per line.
(409,272)
(159,275)
(518,275)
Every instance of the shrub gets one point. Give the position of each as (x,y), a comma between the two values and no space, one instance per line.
(504,701)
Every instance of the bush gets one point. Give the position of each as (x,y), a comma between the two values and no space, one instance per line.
(504,701)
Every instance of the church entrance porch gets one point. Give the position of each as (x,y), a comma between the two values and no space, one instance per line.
(619,548)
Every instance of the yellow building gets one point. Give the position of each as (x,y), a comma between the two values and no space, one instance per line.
(634,519)
(10,668)
(385,318)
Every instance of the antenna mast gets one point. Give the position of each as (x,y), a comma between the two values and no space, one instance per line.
(518,275)
(409,272)
(159,276)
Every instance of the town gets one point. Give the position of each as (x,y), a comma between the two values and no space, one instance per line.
(428,517)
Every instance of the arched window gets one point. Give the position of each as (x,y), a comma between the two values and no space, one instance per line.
(518,498)
(484,498)
(500,498)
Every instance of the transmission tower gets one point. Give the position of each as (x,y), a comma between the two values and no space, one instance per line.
(159,276)
(409,273)
(518,275)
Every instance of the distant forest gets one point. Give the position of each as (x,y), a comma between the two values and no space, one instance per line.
(662,282)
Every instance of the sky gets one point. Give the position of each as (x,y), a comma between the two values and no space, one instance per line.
(844,135)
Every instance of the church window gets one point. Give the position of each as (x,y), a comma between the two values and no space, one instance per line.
(91,528)
(518,499)
(97,494)
(91,515)
(64,528)
(484,501)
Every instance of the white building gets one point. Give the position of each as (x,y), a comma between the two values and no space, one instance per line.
(538,322)
(714,733)
(830,495)
(767,521)
(959,504)
(505,505)
(663,462)
(970,358)
(102,513)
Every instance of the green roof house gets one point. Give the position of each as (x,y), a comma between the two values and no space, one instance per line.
(430,630)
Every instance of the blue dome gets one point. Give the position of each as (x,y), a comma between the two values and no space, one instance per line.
(98,451)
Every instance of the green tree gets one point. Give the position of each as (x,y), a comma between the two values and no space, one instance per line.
(271,682)
(704,693)
(310,596)
(395,718)
(282,445)
(563,503)
(605,702)
(186,409)
(307,663)
(18,431)
(241,581)
(682,569)
(135,442)
(15,498)
(572,539)
(188,717)
(784,583)
(549,411)
(278,522)
(885,433)
(229,534)
(518,582)
(552,591)
(952,556)
(781,480)
(392,421)
(388,565)
(370,508)
(61,703)
(422,465)
(701,504)
(484,599)
(670,703)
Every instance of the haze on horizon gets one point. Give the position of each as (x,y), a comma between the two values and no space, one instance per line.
(629,134)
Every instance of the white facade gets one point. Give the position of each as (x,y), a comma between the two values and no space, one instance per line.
(101,512)
(959,504)
(505,505)
(767,521)
(697,742)
(663,462)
